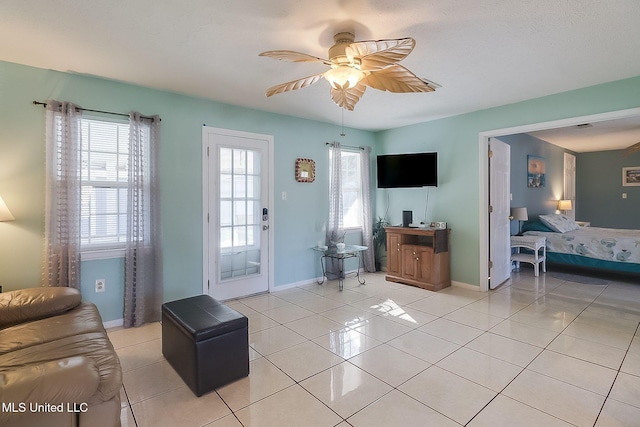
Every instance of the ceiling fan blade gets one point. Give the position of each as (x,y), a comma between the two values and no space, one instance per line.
(377,54)
(348,99)
(632,149)
(294,85)
(292,56)
(396,79)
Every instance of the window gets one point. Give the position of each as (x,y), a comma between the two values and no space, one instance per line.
(104,176)
(351,189)
(239,198)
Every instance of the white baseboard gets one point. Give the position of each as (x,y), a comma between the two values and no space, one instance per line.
(113,323)
(318,279)
(296,284)
(465,286)
(312,281)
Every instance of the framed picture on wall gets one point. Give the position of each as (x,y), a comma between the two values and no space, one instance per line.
(631,176)
(535,172)
(305,170)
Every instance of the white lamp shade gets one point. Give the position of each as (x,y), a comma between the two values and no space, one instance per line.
(519,214)
(564,205)
(5,214)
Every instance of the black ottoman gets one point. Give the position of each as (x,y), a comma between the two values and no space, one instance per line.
(205,341)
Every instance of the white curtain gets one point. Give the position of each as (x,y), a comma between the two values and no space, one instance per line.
(367,219)
(62,195)
(143,256)
(335,227)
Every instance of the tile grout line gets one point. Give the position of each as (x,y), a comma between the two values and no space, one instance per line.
(525,367)
(546,348)
(417,328)
(616,377)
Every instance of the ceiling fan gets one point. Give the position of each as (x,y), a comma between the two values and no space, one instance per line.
(356,65)
(632,149)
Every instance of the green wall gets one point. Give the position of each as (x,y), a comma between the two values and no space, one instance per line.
(456,199)
(299,220)
(109,302)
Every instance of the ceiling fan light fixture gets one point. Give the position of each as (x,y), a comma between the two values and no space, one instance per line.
(356,66)
(343,77)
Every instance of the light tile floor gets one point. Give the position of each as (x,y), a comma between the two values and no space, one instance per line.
(535,352)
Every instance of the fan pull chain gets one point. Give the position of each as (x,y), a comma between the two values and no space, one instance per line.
(342,131)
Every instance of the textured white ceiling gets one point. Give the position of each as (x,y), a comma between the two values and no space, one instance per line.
(483,53)
(597,136)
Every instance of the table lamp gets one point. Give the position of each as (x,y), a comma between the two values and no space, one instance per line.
(564,206)
(519,214)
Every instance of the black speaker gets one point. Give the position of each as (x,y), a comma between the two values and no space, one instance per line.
(407,218)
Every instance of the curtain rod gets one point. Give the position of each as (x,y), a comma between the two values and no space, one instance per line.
(44,104)
(345,146)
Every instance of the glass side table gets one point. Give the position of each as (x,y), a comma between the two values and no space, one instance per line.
(349,251)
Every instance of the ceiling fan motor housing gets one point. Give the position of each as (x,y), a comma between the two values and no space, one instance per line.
(337,51)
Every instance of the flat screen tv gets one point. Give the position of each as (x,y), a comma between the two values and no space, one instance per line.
(408,170)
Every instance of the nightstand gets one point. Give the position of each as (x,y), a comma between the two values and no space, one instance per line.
(535,244)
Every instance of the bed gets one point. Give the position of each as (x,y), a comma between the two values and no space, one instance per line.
(593,247)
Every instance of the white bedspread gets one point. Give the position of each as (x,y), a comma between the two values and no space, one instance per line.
(609,244)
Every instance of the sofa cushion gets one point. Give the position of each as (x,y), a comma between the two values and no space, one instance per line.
(59,382)
(81,320)
(78,332)
(53,347)
(73,379)
(95,346)
(36,303)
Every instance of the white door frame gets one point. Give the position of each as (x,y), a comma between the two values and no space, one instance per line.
(569,188)
(205,210)
(483,170)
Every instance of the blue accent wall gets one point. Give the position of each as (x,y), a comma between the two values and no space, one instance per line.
(457,200)
(599,187)
(109,302)
(538,201)
(599,190)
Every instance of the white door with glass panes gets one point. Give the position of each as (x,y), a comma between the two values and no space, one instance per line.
(237,213)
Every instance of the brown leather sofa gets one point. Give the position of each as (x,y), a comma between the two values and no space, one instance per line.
(57,365)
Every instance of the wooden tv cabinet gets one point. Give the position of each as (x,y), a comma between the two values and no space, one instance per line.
(418,257)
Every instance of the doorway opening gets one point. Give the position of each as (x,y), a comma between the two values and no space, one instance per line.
(483,178)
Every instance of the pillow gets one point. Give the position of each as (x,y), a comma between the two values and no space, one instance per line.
(559,223)
(29,304)
(536,225)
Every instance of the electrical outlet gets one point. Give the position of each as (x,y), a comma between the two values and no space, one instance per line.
(100,285)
